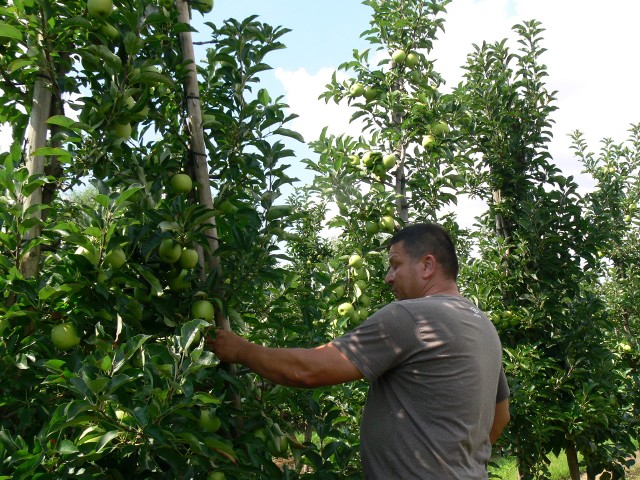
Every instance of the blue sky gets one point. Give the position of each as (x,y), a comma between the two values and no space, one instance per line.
(591,59)
(322,31)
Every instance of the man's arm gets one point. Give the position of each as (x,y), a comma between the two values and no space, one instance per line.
(295,367)
(500,420)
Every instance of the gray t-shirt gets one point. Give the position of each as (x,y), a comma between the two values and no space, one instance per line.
(435,366)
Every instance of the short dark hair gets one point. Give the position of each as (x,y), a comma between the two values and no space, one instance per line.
(429,239)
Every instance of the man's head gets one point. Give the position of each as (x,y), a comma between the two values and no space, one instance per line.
(422,260)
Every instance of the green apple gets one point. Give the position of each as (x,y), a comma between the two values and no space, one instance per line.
(65,336)
(278,445)
(399,56)
(364,300)
(440,128)
(109,31)
(412,60)
(260,434)
(203,309)
(169,251)
(121,130)
(387,223)
(188,258)
(105,363)
(100,8)
(181,183)
(363,313)
(345,309)
(360,284)
(428,141)
(209,422)
(142,294)
(178,282)
(116,258)
(226,206)
(370,93)
(356,89)
(203,6)
(355,261)
(370,158)
(389,161)
(339,291)
(216,476)
(278,211)
(371,227)
(354,160)
(361,274)
(130,103)
(123,416)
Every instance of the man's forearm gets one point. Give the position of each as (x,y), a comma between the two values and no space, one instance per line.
(286,366)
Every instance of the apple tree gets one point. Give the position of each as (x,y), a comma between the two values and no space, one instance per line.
(537,268)
(401,168)
(612,211)
(106,302)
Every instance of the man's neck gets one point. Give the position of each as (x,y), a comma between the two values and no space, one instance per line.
(442,287)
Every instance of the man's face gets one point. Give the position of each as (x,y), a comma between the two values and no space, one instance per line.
(405,275)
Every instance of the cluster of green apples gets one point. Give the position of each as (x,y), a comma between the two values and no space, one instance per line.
(100,11)
(65,336)
(436,132)
(371,93)
(275,440)
(401,57)
(374,162)
(356,305)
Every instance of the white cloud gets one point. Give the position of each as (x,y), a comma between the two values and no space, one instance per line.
(5,137)
(590,51)
(302,90)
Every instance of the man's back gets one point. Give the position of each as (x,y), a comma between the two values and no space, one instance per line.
(434,365)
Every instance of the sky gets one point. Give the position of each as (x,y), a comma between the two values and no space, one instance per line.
(591,59)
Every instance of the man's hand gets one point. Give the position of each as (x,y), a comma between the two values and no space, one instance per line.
(227,346)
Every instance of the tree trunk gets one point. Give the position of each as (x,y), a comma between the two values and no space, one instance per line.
(199,151)
(36,138)
(501,225)
(572,461)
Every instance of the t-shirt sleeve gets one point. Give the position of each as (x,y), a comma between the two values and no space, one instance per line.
(503,387)
(380,343)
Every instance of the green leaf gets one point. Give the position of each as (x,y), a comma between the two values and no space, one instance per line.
(103,200)
(66,447)
(9,31)
(128,193)
(289,133)
(263,97)
(189,331)
(106,438)
(20,64)
(61,120)
(51,151)
(94,232)
(206,398)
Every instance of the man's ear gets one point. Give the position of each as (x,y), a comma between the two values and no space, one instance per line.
(429,265)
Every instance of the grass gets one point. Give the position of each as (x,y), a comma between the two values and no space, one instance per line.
(506,468)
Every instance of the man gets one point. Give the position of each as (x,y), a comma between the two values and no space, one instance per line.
(438,397)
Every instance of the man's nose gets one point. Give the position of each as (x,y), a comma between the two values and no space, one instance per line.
(388,279)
